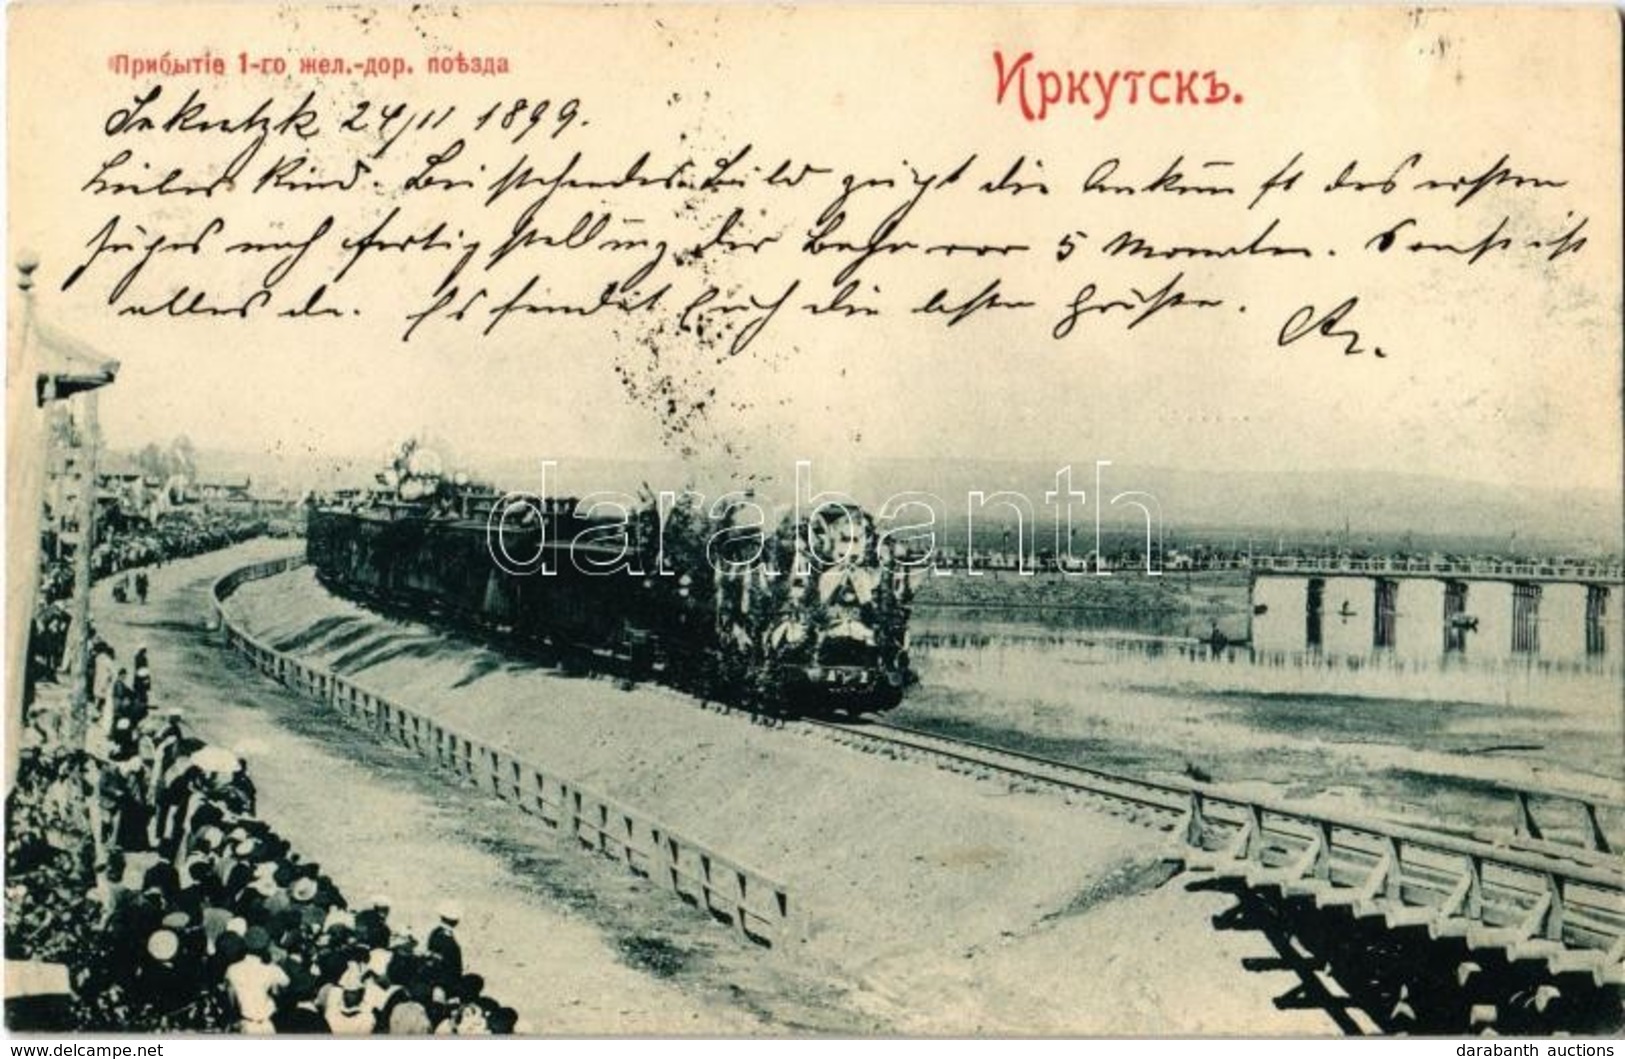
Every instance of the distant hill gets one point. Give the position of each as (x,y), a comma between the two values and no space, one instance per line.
(1368,503)
(1196,504)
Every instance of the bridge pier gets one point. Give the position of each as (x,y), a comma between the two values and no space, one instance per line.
(1314,613)
(1525,617)
(1463,611)
(1385,593)
(1596,614)
(1455,606)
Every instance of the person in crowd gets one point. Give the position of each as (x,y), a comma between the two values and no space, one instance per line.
(39,648)
(122,723)
(409,1019)
(103,669)
(345,1009)
(255,983)
(237,790)
(59,623)
(442,943)
(174,803)
(372,922)
(163,741)
(470,1020)
(297,1012)
(381,994)
(124,787)
(143,679)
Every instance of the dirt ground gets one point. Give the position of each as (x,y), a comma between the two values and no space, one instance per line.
(938,904)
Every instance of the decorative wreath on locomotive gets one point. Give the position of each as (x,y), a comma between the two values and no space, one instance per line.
(809,616)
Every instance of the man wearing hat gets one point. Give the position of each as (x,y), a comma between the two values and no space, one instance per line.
(124,785)
(120,892)
(442,944)
(143,679)
(123,719)
(235,790)
(346,1011)
(101,674)
(166,740)
(57,623)
(311,911)
(162,978)
(372,922)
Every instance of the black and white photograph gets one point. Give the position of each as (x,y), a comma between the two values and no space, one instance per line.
(856,521)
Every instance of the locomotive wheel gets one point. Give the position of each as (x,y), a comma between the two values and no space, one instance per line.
(574,661)
(887,698)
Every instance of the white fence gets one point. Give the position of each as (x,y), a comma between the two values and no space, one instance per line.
(757,906)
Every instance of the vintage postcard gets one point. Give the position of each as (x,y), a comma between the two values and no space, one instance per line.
(859,520)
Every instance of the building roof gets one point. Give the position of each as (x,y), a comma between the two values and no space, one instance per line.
(69,366)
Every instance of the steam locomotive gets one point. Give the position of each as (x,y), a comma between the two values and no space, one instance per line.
(808,617)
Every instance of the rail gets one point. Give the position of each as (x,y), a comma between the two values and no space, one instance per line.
(1163,804)
(757,906)
(1582,837)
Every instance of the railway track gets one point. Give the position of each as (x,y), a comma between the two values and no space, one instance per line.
(1521,897)
(1161,803)
(1157,804)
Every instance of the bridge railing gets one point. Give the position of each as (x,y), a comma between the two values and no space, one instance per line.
(756,905)
(1577,822)
(1599,573)
(1534,904)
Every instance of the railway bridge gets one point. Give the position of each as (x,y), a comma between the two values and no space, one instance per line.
(1525,581)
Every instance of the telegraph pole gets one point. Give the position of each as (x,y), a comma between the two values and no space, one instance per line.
(26,462)
(86,517)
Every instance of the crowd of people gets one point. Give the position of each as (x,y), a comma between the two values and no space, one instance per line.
(137,859)
(129,549)
(196,914)
(124,544)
